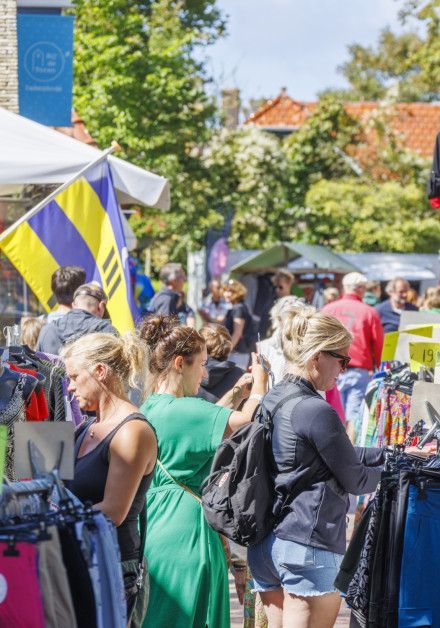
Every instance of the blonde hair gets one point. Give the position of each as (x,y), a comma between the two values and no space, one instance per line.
(124,355)
(237,289)
(30,328)
(306,332)
(218,341)
(432,299)
(279,310)
(331,294)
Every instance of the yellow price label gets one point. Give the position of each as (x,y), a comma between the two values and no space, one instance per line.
(423,354)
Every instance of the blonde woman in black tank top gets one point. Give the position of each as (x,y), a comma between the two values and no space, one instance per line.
(116,452)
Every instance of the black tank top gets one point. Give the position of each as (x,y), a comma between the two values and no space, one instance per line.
(91,472)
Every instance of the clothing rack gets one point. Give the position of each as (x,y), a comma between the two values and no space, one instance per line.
(78,581)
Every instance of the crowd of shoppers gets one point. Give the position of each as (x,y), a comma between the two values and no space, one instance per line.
(136,463)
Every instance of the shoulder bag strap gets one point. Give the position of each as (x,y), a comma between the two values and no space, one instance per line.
(185,488)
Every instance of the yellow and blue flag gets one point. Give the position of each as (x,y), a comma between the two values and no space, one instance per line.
(81,226)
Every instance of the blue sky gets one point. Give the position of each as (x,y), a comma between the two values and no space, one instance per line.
(293,43)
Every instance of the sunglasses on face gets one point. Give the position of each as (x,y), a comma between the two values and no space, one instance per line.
(344,360)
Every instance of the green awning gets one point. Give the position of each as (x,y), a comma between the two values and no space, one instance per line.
(321,259)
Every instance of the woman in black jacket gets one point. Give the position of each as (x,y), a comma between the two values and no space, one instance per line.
(317,467)
(221,373)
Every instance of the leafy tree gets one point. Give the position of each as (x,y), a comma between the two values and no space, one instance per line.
(319,149)
(247,171)
(136,77)
(406,65)
(356,215)
(138,80)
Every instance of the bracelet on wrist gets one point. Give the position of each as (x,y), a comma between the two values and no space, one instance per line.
(256,396)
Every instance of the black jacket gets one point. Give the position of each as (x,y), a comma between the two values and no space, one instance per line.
(222,376)
(312,451)
(164,302)
(70,327)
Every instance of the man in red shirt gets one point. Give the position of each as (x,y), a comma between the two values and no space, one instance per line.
(363,322)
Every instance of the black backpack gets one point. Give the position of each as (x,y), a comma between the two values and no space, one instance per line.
(238,495)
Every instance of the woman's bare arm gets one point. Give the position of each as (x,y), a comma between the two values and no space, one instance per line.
(133,454)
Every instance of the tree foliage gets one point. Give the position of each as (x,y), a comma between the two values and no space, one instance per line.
(319,149)
(247,171)
(407,65)
(138,80)
(356,215)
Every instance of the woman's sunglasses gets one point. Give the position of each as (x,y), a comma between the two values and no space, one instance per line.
(344,360)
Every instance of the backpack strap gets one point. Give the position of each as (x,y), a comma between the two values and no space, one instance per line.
(299,486)
(269,414)
(185,488)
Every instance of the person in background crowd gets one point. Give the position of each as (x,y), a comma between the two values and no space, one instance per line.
(364,324)
(115,453)
(65,280)
(391,309)
(412,297)
(316,468)
(283,282)
(238,321)
(166,300)
(185,313)
(432,302)
(429,293)
(85,317)
(331,294)
(30,328)
(222,373)
(285,285)
(373,292)
(214,307)
(188,570)
(272,349)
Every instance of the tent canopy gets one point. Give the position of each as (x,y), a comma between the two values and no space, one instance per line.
(35,154)
(320,258)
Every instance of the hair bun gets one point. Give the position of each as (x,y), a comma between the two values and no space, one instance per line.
(296,323)
(157,327)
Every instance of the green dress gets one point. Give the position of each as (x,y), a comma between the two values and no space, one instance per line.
(186,561)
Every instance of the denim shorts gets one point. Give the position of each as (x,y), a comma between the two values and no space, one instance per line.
(299,569)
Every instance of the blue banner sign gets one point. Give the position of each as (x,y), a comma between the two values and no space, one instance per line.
(45,56)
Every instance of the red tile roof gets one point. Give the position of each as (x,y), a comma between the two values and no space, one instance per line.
(78,130)
(417,123)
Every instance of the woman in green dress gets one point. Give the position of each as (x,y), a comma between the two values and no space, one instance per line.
(187,564)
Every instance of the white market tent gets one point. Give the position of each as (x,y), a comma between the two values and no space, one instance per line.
(31,153)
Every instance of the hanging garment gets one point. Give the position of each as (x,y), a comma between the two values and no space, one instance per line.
(54,584)
(21,604)
(393,419)
(36,406)
(79,579)
(12,413)
(419,581)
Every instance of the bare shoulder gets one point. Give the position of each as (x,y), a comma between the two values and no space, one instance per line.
(136,432)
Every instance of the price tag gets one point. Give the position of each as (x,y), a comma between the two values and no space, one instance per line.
(3,446)
(423,354)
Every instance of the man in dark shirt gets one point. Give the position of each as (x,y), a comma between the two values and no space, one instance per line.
(391,309)
(166,301)
(85,317)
